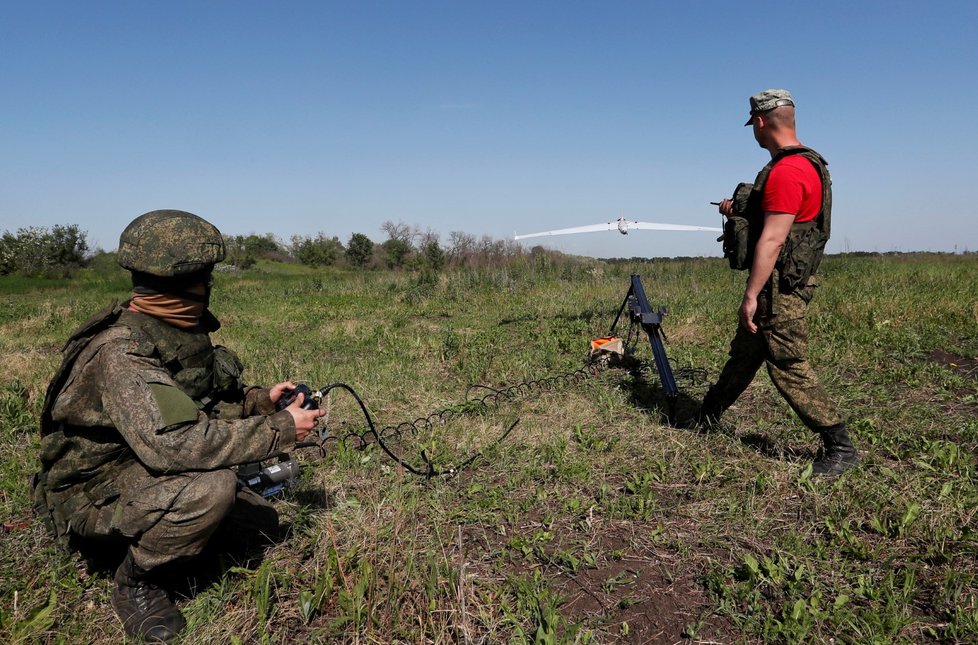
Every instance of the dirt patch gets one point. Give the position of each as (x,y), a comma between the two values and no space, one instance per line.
(636,593)
(967,367)
(642,594)
(639,601)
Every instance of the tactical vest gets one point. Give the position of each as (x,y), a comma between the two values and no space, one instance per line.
(805,245)
(205,372)
(208,374)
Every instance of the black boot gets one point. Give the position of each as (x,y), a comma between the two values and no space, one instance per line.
(699,421)
(838,453)
(705,419)
(145,609)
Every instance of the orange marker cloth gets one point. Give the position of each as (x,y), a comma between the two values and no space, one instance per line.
(611,344)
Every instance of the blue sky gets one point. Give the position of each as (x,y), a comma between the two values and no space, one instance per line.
(483,117)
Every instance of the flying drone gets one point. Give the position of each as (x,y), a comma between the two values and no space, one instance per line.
(623,225)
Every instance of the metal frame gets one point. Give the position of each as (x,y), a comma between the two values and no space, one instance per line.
(641,312)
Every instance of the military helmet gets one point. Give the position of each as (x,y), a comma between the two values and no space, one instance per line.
(169,243)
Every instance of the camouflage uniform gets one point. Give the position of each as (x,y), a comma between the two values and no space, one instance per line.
(144,420)
(782,343)
(782,306)
(143,435)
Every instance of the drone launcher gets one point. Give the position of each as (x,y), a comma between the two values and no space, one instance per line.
(640,312)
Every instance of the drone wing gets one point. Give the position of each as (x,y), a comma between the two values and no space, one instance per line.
(622,226)
(652,226)
(610,226)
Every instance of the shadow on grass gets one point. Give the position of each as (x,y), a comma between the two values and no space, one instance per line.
(239,542)
(650,398)
(763,445)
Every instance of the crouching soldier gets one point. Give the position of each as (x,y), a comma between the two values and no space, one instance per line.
(145,418)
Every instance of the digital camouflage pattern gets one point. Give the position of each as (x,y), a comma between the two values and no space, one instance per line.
(169,243)
(768,100)
(782,343)
(121,460)
(740,234)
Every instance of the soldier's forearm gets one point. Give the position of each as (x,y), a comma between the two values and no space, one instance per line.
(210,443)
(765,255)
(257,401)
(146,408)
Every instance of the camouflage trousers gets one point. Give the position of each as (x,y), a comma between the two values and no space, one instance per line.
(167,518)
(781,342)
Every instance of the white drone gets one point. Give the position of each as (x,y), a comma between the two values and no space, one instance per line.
(622,225)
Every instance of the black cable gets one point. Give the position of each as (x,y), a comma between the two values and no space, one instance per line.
(489,402)
(484,404)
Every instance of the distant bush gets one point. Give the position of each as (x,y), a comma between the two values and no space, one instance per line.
(318,251)
(432,256)
(396,253)
(359,250)
(38,251)
(245,250)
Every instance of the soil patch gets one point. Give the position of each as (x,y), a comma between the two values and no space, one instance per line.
(655,606)
(967,367)
(963,366)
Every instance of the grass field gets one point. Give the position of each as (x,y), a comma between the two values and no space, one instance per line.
(592,521)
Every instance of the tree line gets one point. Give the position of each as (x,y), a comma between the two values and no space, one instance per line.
(39,251)
(405,247)
(61,250)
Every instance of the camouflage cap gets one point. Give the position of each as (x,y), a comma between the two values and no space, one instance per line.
(168,243)
(768,100)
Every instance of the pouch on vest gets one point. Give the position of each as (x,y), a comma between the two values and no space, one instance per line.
(227,371)
(800,257)
(49,513)
(736,247)
(738,238)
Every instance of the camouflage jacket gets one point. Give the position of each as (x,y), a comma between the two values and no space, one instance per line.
(144,390)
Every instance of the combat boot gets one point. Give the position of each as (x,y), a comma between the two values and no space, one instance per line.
(698,421)
(705,419)
(838,453)
(144,608)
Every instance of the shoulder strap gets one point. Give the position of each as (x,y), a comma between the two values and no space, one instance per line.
(824,217)
(821,166)
(77,342)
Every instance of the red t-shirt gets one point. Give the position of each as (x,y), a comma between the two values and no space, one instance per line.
(793,187)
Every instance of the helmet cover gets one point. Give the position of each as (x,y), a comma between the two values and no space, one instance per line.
(170,243)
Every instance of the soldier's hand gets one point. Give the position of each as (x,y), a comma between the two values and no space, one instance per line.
(279,390)
(305,420)
(726,207)
(747,310)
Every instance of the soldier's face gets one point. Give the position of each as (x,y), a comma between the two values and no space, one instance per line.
(757,124)
(208,285)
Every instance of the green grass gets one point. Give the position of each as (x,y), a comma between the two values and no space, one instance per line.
(592,521)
